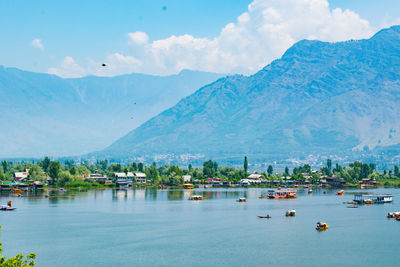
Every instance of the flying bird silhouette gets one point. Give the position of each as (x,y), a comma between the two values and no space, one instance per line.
(104,65)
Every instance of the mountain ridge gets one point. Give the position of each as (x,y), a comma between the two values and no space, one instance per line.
(318,97)
(43,114)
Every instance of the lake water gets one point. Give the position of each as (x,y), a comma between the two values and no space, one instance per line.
(147,227)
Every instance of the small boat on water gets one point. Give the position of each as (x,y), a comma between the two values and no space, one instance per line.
(261,197)
(290,213)
(264,217)
(373,198)
(321,226)
(394,214)
(310,191)
(280,194)
(197,197)
(340,192)
(188,186)
(242,199)
(5,207)
(352,207)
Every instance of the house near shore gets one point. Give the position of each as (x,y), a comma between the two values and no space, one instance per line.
(368,183)
(140,177)
(95,177)
(255,178)
(335,181)
(120,175)
(187,178)
(21,176)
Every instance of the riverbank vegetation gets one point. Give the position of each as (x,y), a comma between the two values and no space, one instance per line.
(72,174)
(17,261)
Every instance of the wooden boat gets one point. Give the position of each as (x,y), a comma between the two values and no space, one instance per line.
(188,186)
(321,226)
(282,194)
(368,202)
(17,191)
(197,197)
(340,192)
(261,197)
(242,199)
(290,213)
(310,191)
(353,206)
(5,207)
(394,214)
(264,217)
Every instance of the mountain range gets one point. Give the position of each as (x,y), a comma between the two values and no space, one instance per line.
(318,98)
(43,114)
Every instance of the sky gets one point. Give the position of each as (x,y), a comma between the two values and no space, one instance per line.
(73,38)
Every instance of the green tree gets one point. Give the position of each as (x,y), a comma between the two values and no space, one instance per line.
(190,168)
(245,164)
(396,171)
(270,170)
(140,166)
(36,173)
(329,164)
(4,165)
(152,173)
(45,163)
(54,171)
(64,178)
(18,261)
(286,173)
(209,168)
(73,171)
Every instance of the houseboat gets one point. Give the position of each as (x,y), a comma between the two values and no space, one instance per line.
(278,194)
(373,198)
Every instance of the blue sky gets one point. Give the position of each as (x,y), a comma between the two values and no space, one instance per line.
(73,37)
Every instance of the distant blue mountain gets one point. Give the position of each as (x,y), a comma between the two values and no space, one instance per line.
(43,114)
(319,98)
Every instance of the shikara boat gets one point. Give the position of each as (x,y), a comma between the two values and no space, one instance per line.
(5,207)
(264,217)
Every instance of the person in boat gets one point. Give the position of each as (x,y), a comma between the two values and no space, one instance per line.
(9,203)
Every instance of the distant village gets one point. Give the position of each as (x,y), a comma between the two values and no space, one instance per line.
(50,174)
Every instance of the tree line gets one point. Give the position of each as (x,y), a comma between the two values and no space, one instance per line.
(69,172)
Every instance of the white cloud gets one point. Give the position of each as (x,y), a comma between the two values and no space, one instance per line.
(258,36)
(139,38)
(68,69)
(261,34)
(37,43)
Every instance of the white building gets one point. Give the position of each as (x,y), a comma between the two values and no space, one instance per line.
(140,177)
(186,178)
(20,176)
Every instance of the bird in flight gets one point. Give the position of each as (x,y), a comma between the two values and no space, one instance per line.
(104,65)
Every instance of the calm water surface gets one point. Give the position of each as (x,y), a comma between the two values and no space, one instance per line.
(146,227)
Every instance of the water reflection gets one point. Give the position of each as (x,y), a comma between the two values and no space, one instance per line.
(175,194)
